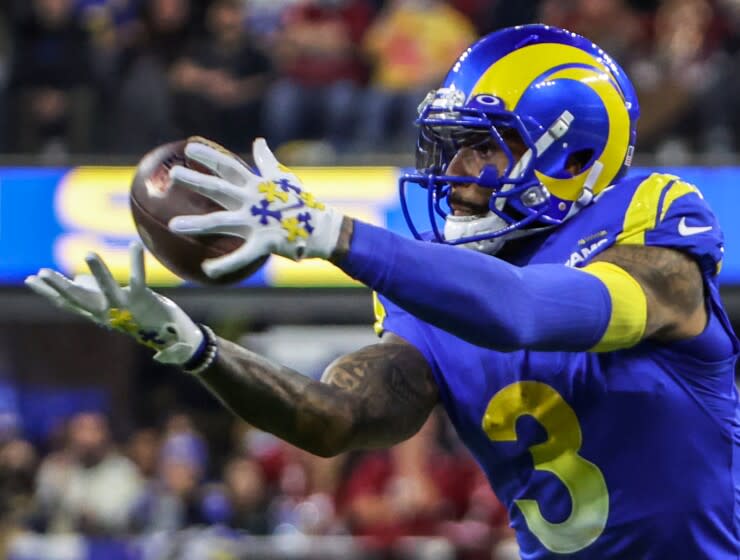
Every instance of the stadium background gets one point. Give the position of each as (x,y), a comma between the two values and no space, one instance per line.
(104,454)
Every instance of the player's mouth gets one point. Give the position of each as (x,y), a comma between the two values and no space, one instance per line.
(462,207)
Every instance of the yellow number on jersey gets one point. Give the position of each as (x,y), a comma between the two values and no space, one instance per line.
(558,455)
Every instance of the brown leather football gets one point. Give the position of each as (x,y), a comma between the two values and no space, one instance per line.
(155,200)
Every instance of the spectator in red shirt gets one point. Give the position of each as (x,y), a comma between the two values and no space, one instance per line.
(417,488)
(321,70)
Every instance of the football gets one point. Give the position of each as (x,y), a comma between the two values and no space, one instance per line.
(155,200)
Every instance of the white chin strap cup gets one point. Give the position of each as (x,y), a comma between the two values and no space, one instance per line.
(458,227)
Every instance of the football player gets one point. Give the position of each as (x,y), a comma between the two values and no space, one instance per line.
(568,318)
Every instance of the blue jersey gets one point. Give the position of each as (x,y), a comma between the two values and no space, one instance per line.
(631,454)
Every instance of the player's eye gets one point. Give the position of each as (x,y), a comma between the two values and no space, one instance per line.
(486,148)
(479,140)
(483,145)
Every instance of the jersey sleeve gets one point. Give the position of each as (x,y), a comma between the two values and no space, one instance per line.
(391,318)
(667,212)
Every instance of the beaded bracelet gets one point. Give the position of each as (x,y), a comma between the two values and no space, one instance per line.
(205,355)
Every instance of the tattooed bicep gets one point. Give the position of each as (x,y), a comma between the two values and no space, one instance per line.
(393,368)
(673,285)
(390,382)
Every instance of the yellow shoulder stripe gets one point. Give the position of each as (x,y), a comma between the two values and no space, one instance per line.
(677,190)
(628,318)
(642,212)
(380,314)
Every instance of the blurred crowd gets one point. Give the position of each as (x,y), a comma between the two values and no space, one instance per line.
(120,76)
(166,479)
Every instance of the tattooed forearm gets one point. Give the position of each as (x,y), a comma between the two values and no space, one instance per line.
(279,400)
(370,397)
(672,283)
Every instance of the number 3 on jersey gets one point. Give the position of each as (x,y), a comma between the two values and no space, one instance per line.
(558,455)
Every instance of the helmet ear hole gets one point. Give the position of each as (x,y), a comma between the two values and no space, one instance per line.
(577,161)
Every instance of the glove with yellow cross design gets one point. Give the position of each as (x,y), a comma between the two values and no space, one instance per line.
(150,318)
(266,207)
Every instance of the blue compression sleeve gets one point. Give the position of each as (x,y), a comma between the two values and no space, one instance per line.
(480,298)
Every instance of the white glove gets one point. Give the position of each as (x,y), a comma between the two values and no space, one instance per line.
(152,319)
(267,208)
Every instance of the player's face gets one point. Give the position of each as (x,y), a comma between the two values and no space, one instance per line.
(472,199)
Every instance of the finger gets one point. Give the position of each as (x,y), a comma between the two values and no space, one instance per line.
(43,289)
(72,295)
(110,288)
(215,188)
(40,287)
(226,222)
(267,163)
(86,281)
(137,278)
(219,160)
(244,255)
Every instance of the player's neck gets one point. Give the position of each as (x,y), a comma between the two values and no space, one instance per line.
(519,251)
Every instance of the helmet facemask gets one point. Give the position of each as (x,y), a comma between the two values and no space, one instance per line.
(518,199)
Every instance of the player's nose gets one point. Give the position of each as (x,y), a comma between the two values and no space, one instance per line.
(461,164)
(456,165)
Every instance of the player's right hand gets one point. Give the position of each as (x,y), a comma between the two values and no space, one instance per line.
(151,319)
(266,206)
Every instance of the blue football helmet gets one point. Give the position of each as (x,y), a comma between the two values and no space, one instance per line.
(562,95)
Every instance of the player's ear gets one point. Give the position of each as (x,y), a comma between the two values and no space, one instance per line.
(514,140)
(577,161)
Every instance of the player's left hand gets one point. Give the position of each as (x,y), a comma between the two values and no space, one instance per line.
(151,319)
(268,207)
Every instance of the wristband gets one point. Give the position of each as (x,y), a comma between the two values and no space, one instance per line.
(205,355)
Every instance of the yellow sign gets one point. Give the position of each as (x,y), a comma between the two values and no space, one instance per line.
(92,203)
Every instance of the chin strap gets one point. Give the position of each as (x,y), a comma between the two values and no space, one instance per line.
(556,131)
(587,193)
